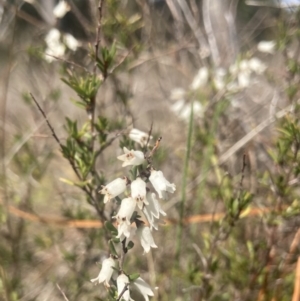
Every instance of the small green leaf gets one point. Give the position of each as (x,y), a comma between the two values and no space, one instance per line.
(112,248)
(130,245)
(133,277)
(110,227)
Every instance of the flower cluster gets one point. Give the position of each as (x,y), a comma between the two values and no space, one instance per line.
(140,201)
(140,198)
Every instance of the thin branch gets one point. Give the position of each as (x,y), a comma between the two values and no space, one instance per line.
(84,188)
(67,61)
(61,291)
(47,121)
(98,36)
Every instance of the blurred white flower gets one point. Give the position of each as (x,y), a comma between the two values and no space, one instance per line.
(138,192)
(139,137)
(266,46)
(178,94)
(256,65)
(144,288)
(177,106)
(243,79)
(122,282)
(185,113)
(160,184)
(113,188)
(71,42)
(146,238)
(200,79)
(132,157)
(106,271)
(61,9)
(54,45)
(219,78)
(126,210)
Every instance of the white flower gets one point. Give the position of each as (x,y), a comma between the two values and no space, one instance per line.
(61,9)
(124,229)
(178,94)
(219,78)
(122,282)
(106,271)
(256,65)
(144,288)
(138,192)
(266,46)
(244,79)
(160,184)
(153,210)
(200,79)
(154,206)
(132,157)
(71,42)
(113,189)
(139,137)
(126,210)
(177,106)
(54,45)
(145,236)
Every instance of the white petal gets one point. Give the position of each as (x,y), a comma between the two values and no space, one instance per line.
(132,157)
(124,229)
(106,271)
(113,189)
(139,137)
(126,210)
(160,184)
(146,238)
(138,192)
(144,288)
(266,46)
(122,281)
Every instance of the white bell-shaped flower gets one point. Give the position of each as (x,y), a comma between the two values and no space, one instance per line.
(144,288)
(124,229)
(122,282)
(160,184)
(138,192)
(106,271)
(126,210)
(146,238)
(132,157)
(113,189)
(139,137)
(153,210)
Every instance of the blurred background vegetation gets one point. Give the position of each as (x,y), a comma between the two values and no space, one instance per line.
(227,106)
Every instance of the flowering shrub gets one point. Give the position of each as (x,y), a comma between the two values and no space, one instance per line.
(140,201)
